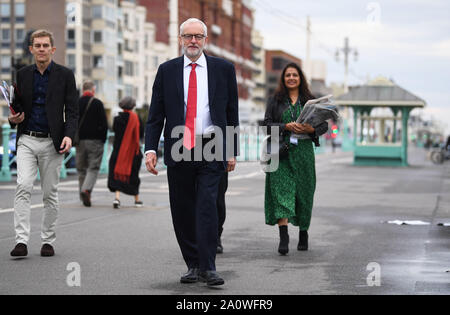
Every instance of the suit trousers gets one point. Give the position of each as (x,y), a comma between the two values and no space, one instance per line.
(35,154)
(193,190)
(221,207)
(88,161)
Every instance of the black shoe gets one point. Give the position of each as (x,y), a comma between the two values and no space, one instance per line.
(116,204)
(219,247)
(47,250)
(211,278)
(191,276)
(86,197)
(138,204)
(20,250)
(303,241)
(283,248)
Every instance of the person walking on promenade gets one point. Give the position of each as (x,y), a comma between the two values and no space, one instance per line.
(46,128)
(92,131)
(199,94)
(221,209)
(126,157)
(289,191)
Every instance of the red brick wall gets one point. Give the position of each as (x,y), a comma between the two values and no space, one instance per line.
(158,13)
(235,37)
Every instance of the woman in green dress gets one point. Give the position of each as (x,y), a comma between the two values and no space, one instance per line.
(289,193)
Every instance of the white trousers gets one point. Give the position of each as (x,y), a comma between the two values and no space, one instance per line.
(33,154)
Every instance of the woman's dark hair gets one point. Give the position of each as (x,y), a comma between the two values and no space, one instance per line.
(282,92)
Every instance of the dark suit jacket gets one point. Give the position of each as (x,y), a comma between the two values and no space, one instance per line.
(61,103)
(167,104)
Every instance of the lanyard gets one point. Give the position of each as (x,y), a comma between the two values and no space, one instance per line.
(294,113)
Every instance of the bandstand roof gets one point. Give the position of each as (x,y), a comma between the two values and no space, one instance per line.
(380,92)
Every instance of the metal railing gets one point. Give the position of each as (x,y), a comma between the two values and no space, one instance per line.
(250,150)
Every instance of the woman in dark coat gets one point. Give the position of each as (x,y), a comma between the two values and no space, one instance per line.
(289,192)
(126,157)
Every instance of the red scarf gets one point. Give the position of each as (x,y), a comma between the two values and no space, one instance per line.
(129,148)
(88,93)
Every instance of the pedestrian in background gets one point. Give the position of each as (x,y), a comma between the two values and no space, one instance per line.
(447,145)
(289,191)
(46,128)
(92,131)
(126,157)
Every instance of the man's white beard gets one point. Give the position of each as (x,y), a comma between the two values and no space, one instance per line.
(184,50)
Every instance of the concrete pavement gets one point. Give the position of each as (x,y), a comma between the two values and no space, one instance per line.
(134,251)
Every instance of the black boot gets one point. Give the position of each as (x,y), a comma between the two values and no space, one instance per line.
(283,248)
(303,241)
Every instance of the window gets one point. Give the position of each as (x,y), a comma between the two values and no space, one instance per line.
(97,36)
(128,90)
(126,20)
(277,63)
(136,46)
(128,68)
(127,45)
(20,35)
(5,64)
(20,12)
(98,61)
(5,10)
(97,12)
(6,38)
(70,35)
(70,61)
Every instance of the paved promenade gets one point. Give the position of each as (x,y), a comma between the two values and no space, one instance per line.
(352,248)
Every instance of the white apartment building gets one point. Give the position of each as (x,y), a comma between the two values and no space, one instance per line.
(12,33)
(259,77)
(111,44)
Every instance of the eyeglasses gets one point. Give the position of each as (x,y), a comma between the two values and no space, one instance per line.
(188,37)
(43,45)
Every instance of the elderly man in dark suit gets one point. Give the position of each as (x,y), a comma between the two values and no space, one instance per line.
(197,95)
(46,127)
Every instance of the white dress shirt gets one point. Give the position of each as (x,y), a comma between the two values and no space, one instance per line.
(203,124)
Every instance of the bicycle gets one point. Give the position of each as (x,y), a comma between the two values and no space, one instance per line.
(440,155)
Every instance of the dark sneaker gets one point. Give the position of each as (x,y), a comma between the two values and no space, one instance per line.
(86,197)
(138,204)
(20,250)
(47,250)
(116,204)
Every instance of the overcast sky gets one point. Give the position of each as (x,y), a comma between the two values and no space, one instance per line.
(405,40)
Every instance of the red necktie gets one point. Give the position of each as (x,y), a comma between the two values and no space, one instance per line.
(191,111)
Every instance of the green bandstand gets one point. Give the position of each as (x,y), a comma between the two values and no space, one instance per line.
(378,109)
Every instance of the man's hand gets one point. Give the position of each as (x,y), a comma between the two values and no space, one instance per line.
(66,145)
(231,164)
(150,162)
(17,118)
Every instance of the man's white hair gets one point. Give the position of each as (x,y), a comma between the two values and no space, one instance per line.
(194,20)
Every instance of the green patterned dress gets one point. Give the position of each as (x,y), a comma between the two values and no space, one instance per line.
(290,190)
